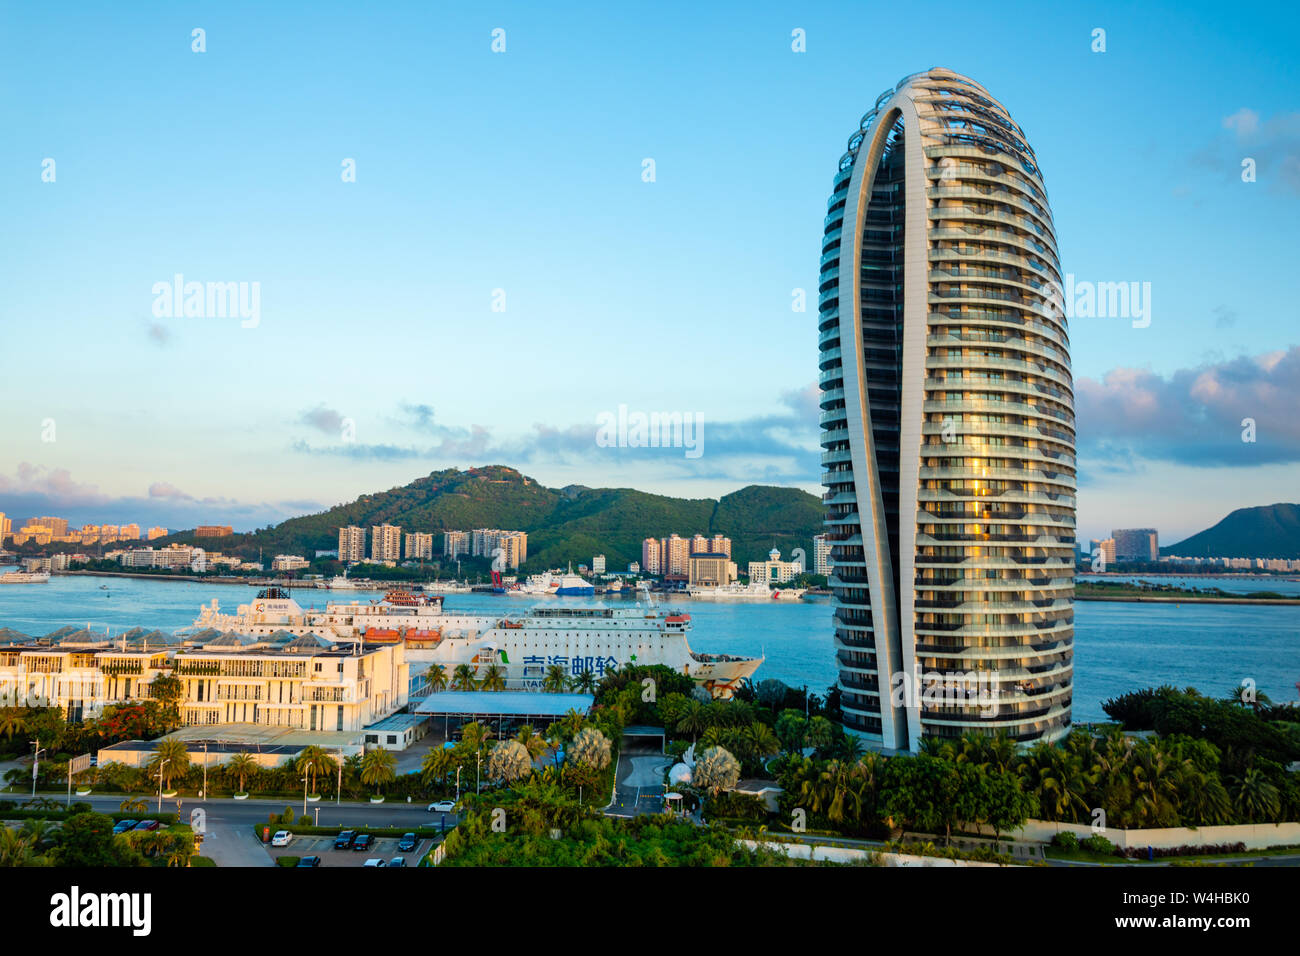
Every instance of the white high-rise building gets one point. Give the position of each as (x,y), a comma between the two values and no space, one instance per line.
(947,422)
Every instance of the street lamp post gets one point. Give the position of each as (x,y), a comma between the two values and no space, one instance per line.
(161,768)
(304,794)
(458,784)
(205,771)
(36,762)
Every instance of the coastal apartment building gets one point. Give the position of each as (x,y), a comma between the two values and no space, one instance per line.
(289,562)
(821,555)
(670,556)
(172,556)
(419,546)
(651,556)
(385,543)
(454,544)
(352,544)
(1136,544)
(947,418)
(513,544)
(598,564)
(213,531)
(1103,548)
(58,527)
(6,526)
(129,532)
(157,533)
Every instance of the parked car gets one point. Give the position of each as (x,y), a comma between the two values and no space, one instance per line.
(309,861)
(144,825)
(362,842)
(397,861)
(281,838)
(345,840)
(374,861)
(121,826)
(442,806)
(407,843)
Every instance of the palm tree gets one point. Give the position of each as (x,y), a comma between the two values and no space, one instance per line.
(493,679)
(15,848)
(437,764)
(1255,799)
(532,741)
(241,765)
(568,726)
(762,741)
(172,758)
(436,677)
(314,760)
(584,682)
(1155,788)
(509,761)
(555,680)
(11,722)
(137,805)
(475,735)
(820,733)
(694,720)
(463,678)
(378,767)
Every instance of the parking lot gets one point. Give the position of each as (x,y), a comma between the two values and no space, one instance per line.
(384,848)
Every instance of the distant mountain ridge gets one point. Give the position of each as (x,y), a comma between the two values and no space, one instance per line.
(563,524)
(1266,531)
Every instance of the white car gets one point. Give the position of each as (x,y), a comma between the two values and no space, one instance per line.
(374,861)
(442,806)
(281,838)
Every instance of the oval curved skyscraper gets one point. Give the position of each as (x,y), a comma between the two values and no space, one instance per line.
(947,424)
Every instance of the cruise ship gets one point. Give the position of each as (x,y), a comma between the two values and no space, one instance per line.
(25,577)
(523,645)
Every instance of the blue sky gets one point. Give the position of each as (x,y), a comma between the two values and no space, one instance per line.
(522,171)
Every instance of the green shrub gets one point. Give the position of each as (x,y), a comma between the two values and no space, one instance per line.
(287,860)
(287,817)
(1098,844)
(202,861)
(1066,840)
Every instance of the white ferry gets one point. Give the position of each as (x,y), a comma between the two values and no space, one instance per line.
(274,610)
(553,584)
(523,645)
(25,577)
(754,591)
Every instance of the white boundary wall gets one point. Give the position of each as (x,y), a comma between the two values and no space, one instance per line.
(1256,836)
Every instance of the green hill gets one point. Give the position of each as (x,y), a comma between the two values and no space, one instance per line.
(1268,531)
(563,525)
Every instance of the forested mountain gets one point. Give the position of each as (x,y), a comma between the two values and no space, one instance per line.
(563,525)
